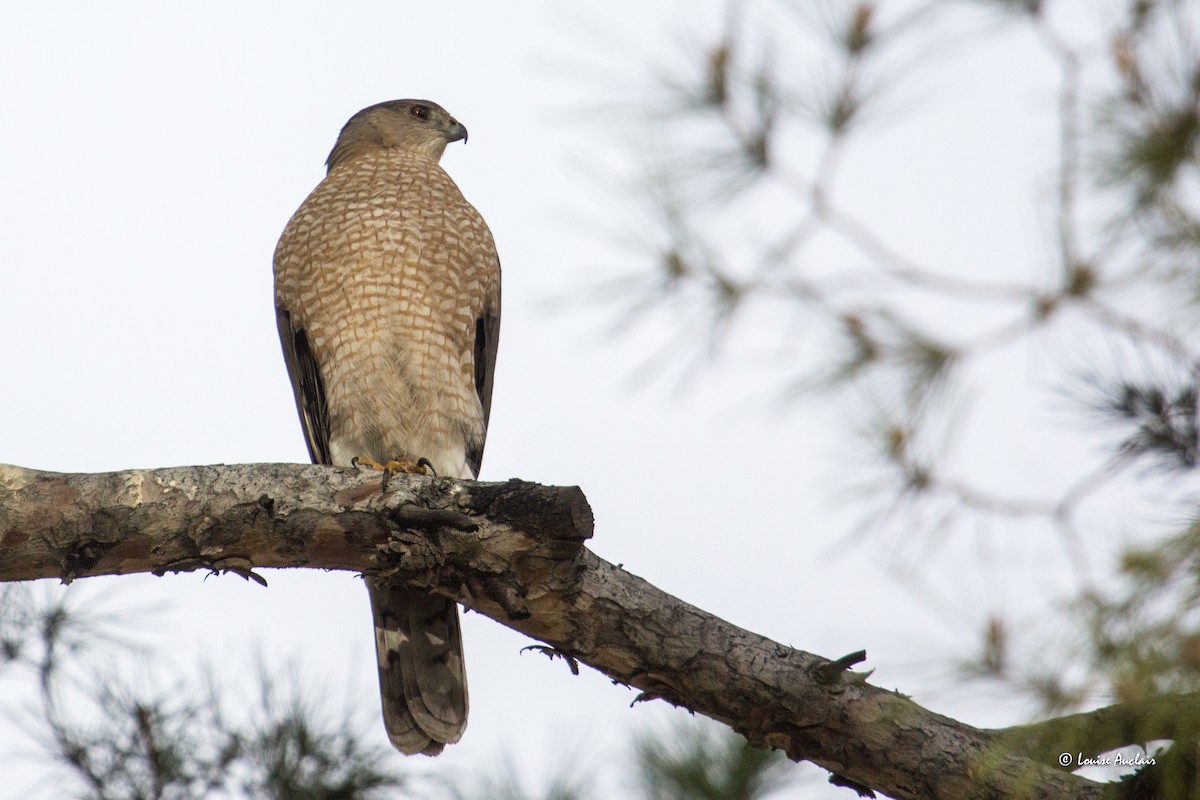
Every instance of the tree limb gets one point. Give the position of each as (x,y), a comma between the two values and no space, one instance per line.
(1090,733)
(514,552)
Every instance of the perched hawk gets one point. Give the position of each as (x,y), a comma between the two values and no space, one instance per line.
(387,292)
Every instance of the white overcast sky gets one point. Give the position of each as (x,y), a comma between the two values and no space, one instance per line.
(153,153)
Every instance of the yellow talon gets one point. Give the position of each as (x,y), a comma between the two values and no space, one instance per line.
(419,467)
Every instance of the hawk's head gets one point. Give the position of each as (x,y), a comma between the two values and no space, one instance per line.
(419,126)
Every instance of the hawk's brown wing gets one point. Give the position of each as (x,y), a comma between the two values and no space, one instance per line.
(487,340)
(307,386)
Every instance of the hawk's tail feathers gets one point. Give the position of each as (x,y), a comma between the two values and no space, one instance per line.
(422,676)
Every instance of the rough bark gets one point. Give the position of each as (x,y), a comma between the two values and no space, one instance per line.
(515,552)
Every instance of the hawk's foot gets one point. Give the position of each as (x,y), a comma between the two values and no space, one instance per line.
(422,466)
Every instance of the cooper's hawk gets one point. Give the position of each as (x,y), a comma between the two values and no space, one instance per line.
(387,290)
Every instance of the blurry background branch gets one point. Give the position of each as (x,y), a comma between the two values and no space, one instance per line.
(120,737)
(754,228)
(763,254)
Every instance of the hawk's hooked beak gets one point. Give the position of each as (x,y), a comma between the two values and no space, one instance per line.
(456,131)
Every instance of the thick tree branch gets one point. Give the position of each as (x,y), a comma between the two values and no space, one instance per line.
(513,551)
(1088,734)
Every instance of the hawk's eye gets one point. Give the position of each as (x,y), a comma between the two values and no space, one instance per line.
(420,112)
